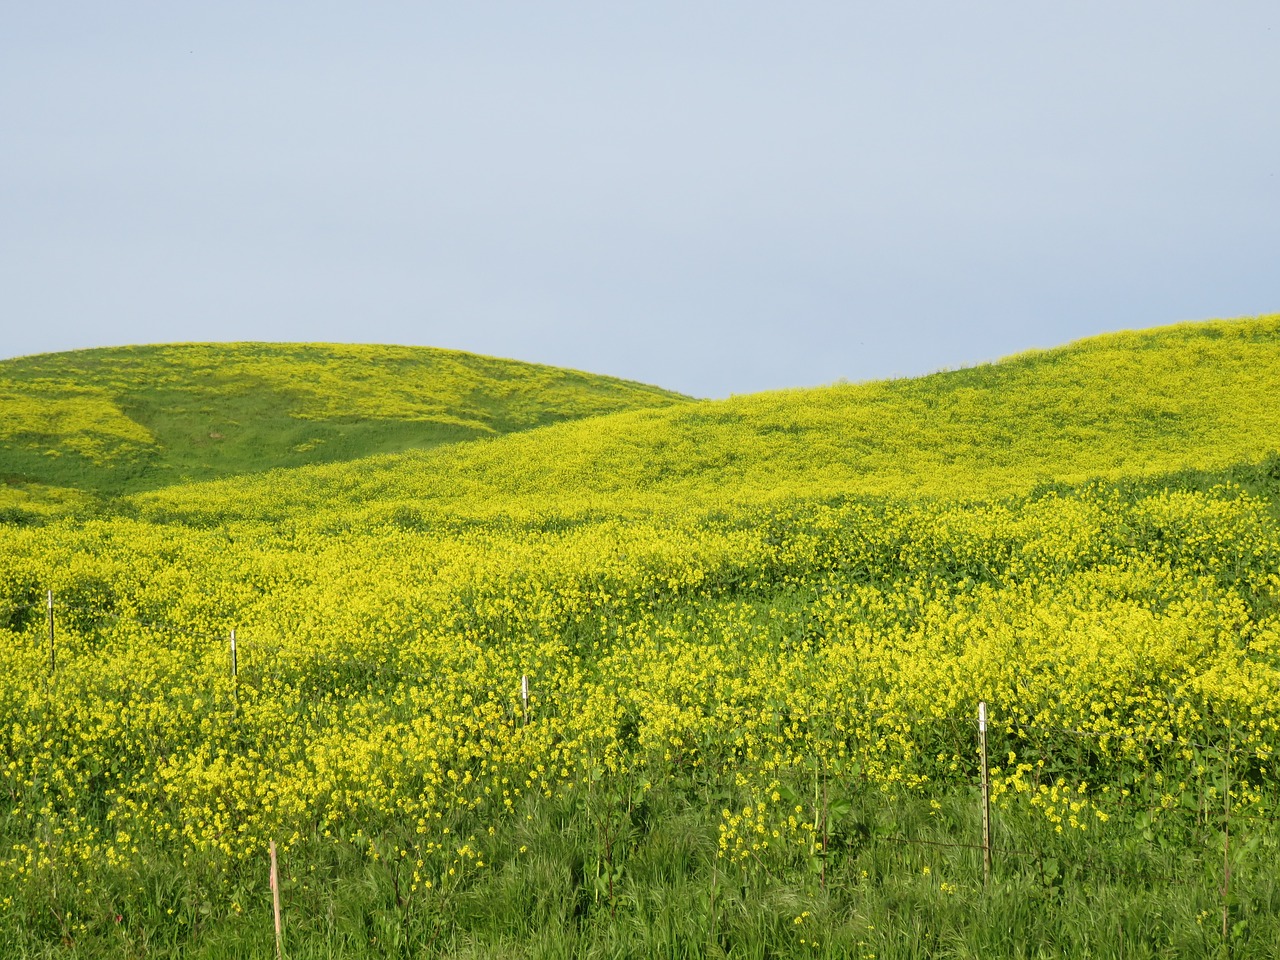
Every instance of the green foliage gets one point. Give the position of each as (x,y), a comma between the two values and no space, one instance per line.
(112,420)
(756,632)
(1117,407)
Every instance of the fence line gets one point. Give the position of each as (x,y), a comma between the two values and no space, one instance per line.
(525,695)
(529,707)
(1008,726)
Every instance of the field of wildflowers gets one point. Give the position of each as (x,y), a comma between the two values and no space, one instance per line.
(730,712)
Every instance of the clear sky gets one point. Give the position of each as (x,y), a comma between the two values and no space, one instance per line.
(717,197)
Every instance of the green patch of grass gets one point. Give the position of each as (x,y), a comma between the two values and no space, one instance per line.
(123,419)
(1117,408)
(902,880)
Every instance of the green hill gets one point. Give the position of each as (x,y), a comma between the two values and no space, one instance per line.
(694,681)
(1191,396)
(109,421)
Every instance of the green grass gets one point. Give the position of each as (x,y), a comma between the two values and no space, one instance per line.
(109,421)
(767,567)
(1194,396)
(546,893)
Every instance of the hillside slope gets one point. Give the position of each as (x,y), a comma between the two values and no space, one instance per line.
(122,419)
(551,688)
(1199,396)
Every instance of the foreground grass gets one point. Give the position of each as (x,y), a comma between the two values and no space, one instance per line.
(732,727)
(553,885)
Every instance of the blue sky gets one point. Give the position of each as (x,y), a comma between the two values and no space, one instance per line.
(715,197)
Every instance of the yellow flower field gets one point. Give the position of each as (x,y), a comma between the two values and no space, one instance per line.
(780,644)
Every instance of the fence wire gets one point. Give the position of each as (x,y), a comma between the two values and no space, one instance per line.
(534,705)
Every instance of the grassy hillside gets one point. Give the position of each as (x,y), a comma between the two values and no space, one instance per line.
(692,682)
(1123,405)
(133,418)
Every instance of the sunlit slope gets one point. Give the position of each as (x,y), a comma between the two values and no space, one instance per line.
(130,418)
(1130,404)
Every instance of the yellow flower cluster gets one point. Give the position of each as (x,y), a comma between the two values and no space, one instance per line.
(786,654)
(52,419)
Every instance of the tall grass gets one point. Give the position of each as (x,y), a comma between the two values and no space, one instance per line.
(899,882)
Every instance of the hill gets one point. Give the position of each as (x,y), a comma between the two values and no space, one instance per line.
(1191,396)
(110,421)
(692,681)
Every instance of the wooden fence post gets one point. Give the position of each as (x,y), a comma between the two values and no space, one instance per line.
(53,660)
(986,795)
(1226,843)
(275,901)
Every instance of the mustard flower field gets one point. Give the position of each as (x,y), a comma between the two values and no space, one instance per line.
(680,694)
